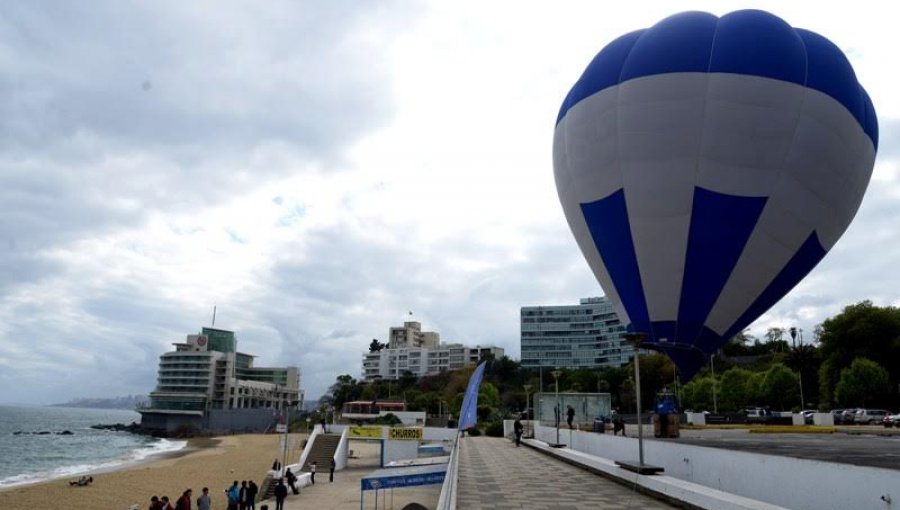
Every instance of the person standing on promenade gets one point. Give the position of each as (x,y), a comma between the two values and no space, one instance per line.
(280,494)
(234,496)
(203,502)
(570,416)
(312,473)
(517,430)
(291,480)
(331,471)
(252,491)
(242,496)
(276,466)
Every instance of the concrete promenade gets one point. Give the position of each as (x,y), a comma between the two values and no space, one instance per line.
(344,494)
(495,475)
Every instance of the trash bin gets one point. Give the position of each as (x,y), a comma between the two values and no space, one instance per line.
(599,425)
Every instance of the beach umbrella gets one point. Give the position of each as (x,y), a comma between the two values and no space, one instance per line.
(705,165)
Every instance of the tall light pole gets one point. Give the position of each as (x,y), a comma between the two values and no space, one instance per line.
(795,333)
(636,339)
(527,402)
(556,373)
(712,367)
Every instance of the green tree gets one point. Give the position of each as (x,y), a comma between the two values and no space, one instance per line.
(698,394)
(861,330)
(864,382)
(733,391)
(780,387)
(488,396)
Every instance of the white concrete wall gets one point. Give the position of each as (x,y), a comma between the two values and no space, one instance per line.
(342,452)
(784,481)
(399,450)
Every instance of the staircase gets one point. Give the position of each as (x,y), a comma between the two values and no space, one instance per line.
(322,451)
(267,488)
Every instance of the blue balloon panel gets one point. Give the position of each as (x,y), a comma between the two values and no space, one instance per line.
(705,166)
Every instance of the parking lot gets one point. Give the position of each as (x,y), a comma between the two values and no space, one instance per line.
(872,446)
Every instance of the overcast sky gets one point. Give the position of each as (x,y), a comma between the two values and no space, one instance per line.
(317,170)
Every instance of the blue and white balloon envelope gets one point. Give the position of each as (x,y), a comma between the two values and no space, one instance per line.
(705,165)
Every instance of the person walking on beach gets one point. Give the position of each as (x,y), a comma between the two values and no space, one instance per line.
(252,491)
(184,502)
(242,496)
(234,496)
(203,502)
(280,494)
(331,471)
(517,430)
(155,504)
(312,473)
(165,504)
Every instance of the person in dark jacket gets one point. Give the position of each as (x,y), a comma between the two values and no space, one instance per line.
(518,429)
(252,491)
(291,480)
(280,494)
(331,471)
(242,496)
(570,415)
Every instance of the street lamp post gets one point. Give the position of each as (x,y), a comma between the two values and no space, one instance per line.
(797,332)
(636,339)
(712,367)
(527,402)
(556,373)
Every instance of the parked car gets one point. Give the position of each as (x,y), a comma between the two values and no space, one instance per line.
(808,416)
(870,416)
(758,415)
(836,416)
(848,416)
(891,420)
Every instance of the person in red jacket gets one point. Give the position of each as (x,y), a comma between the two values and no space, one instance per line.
(184,502)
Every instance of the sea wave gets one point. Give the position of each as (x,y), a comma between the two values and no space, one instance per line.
(134,456)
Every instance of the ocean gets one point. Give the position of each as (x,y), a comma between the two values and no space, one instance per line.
(27,458)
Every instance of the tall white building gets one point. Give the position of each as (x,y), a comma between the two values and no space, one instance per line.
(420,353)
(206,374)
(585,335)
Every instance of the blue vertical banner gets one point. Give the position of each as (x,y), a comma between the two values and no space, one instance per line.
(468,415)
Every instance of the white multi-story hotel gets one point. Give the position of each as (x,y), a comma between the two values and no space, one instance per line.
(588,334)
(206,376)
(410,349)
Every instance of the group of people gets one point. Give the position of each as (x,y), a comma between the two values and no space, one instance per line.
(84,481)
(618,423)
(241,497)
(183,502)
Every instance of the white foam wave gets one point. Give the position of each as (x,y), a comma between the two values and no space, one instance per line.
(157,447)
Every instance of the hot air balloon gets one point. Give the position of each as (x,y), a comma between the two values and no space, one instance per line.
(705,165)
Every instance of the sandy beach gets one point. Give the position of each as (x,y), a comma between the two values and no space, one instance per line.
(212,463)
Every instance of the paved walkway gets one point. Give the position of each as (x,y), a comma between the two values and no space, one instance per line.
(495,475)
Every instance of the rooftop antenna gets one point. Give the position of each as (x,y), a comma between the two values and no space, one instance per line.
(214,316)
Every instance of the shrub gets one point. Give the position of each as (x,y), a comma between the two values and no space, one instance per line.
(494,429)
(474,432)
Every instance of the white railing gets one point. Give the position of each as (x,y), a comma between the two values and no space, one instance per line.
(447,501)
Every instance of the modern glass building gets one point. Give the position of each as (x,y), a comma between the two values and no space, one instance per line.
(585,335)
